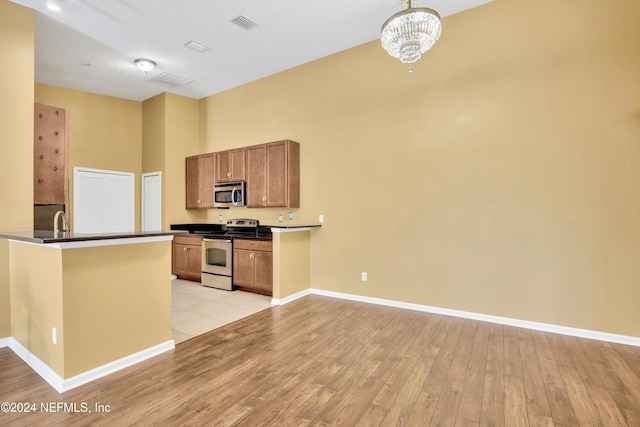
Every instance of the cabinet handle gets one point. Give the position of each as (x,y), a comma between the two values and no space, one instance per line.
(184,249)
(264,198)
(41,157)
(252,255)
(55,168)
(39,180)
(56,133)
(199,201)
(39,137)
(56,151)
(228,174)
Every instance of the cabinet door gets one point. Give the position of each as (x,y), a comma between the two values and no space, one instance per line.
(256,176)
(276,171)
(180,259)
(192,178)
(238,164)
(263,271)
(223,166)
(207,168)
(199,177)
(242,268)
(194,261)
(231,165)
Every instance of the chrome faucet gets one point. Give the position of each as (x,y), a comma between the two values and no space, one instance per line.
(65,222)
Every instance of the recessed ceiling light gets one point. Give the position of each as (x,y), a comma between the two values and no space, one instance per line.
(198,47)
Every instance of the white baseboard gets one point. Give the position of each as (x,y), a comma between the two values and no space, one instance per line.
(62,385)
(4,342)
(545,327)
(290,298)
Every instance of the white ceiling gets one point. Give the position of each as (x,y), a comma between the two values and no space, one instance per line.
(90,45)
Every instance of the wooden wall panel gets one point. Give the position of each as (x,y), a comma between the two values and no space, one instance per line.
(50,155)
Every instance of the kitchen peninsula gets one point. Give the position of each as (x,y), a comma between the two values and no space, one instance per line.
(86,305)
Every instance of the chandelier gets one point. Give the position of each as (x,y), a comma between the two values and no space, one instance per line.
(410,32)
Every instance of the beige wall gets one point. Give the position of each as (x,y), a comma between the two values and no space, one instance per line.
(90,295)
(291,263)
(109,290)
(500,177)
(16,144)
(37,302)
(504,169)
(153,134)
(171,132)
(182,140)
(104,133)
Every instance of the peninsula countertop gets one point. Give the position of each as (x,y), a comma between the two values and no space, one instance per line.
(48,236)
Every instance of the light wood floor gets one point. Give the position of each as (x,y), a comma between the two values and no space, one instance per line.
(322,361)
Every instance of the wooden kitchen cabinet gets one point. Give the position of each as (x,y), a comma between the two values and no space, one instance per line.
(187,257)
(200,176)
(231,165)
(253,265)
(273,175)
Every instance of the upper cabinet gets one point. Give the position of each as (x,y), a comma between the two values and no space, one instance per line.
(231,165)
(273,175)
(200,172)
(271,172)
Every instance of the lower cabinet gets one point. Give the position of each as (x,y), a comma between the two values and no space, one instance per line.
(187,257)
(253,265)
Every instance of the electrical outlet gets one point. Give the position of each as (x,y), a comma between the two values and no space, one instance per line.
(364,276)
(220,218)
(320,218)
(54,336)
(290,215)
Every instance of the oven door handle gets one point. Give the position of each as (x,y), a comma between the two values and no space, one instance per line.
(217,240)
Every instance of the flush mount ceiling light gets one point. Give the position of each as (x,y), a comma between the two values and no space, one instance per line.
(145,65)
(410,32)
(53,5)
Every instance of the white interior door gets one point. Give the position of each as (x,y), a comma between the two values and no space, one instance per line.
(103,201)
(151,201)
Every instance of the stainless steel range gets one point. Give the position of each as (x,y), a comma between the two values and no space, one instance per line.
(217,252)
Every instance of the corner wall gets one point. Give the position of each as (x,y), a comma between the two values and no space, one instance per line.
(104,133)
(16,144)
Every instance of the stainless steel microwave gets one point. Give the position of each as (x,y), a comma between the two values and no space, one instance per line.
(229,194)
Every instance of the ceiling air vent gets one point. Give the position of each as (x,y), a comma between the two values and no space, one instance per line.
(198,47)
(244,22)
(169,79)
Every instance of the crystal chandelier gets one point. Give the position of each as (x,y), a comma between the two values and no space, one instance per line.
(410,32)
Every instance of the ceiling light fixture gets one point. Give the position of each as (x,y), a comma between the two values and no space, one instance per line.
(410,32)
(145,65)
(53,5)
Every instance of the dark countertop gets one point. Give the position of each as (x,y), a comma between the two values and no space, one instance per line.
(48,236)
(289,225)
(264,231)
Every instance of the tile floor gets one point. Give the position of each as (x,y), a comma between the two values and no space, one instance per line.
(197,309)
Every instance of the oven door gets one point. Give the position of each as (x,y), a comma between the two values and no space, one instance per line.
(217,258)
